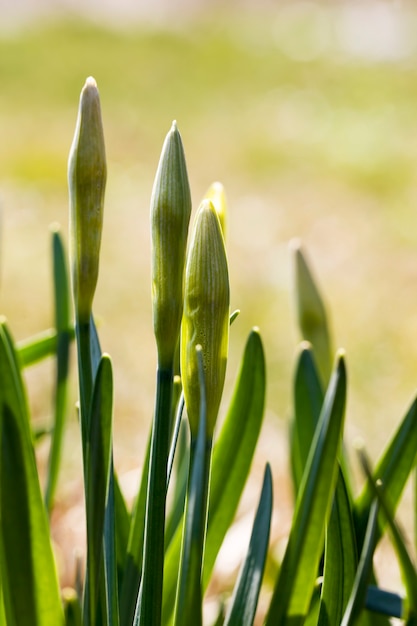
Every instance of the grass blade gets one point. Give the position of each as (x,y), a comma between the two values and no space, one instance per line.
(28,574)
(245,596)
(293,591)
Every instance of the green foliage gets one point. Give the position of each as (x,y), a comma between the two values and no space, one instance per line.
(151,566)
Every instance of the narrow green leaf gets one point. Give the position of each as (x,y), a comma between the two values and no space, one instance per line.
(232,457)
(312,316)
(97,481)
(132,570)
(295,585)
(246,593)
(149,605)
(122,520)
(340,558)
(62,323)
(357,598)
(393,469)
(110,554)
(40,346)
(189,601)
(30,584)
(176,510)
(308,401)
(234,448)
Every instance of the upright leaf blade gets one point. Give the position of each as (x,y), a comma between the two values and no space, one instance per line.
(245,596)
(312,316)
(308,401)
(28,574)
(294,589)
(340,562)
(97,480)
(62,324)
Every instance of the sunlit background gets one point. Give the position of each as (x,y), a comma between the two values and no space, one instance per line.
(305,111)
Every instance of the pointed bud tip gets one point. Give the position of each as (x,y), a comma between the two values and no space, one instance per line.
(174,126)
(91,82)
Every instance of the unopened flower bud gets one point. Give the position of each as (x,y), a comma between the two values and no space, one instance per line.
(170,216)
(215,193)
(87,180)
(206,316)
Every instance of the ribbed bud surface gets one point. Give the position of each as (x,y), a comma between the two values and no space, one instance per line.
(206,316)
(170,216)
(87,174)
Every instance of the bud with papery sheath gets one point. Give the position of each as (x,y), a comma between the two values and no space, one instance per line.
(87,180)
(206,316)
(215,193)
(170,217)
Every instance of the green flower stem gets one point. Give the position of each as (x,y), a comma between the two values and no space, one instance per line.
(150,608)
(85,373)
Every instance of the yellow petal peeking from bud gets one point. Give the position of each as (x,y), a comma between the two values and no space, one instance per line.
(87,180)
(206,316)
(170,216)
(215,193)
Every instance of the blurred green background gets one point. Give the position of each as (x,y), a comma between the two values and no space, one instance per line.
(306,113)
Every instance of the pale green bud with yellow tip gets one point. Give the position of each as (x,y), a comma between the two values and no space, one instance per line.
(215,193)
(170,216)
(206,317)
(87,174)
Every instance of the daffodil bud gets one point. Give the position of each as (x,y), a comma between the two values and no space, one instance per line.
(170,216)
(216,194)
(87,180)
(206,316)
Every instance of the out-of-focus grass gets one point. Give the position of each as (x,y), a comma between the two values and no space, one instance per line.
(309,140)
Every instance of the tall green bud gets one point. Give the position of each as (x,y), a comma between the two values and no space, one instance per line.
(206,316)
(87,174)
(170,216)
